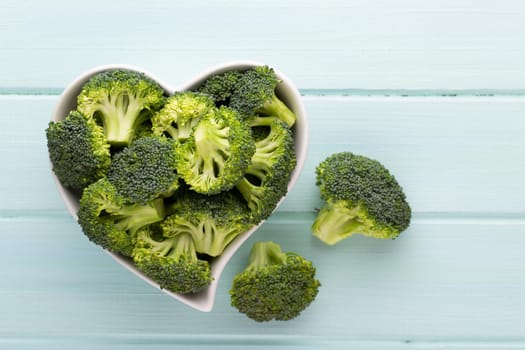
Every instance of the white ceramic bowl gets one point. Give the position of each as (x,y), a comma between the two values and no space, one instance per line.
(286,91)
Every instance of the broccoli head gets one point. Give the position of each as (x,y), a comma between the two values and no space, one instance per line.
(78,150)
(180,114)
(221,86)
(255,94)
(120,100)
(145,170)
(361,196)
(218,152)
(213,221)
(266,179)
(172,262)
(111,222)
(275,285)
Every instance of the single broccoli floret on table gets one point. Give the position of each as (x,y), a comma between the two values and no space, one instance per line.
(275,285)
(172,262)
(180,114)
(221,86)
(78,151)
(266,179)
(111,222)
(217,153)
(145,170)
(212,221)
(361,196)
(255,94)
(120,100)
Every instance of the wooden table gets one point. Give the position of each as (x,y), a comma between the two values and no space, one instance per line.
(434,90)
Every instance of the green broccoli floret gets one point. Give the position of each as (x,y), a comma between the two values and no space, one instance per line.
(361,196)
(120,100)
(266,179)
(180,114)
(255,94)
(145,170)
(78,150)
(111,222)
(218,152)
(212,221)
(221,86)
(172,262)
(275,285)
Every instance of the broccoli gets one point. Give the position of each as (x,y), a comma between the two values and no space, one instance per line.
(172,262)
(361,197)
(221,86)
(266,179)
(180,114)
(111,222)
(218,152)
(120,100)
(255,95)
(213,221)
(145,170)
(274,285)
(78,151)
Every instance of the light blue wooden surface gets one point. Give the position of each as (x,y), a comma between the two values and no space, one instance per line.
(434,90)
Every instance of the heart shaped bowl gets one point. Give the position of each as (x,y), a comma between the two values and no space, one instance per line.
(286,91)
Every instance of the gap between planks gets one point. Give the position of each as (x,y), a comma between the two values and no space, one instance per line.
(312,92)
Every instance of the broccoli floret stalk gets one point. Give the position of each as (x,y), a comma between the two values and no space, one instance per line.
(361,196)
(266,179)
(218,152)
(78,151)
(221,86)
(275,285)
(171,261)
(180,114)
(120,100)
(212,221)
(111,222)
(145,170)
(255,94)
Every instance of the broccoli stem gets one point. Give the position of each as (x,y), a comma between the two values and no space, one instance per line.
(120,118)
(265,254)
(336,222)
(138,215)
(276,107)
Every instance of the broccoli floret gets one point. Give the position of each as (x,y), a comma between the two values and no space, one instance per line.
(266,179)
(218,152)
(274,285)
(78,151)
(145,170)
(171,261)
(255,94)
(221,86)
(180,114)
(212,221)
(112,223)
(361,196)
(120,100)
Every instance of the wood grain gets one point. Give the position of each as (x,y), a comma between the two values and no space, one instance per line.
(433,90)
(319,44)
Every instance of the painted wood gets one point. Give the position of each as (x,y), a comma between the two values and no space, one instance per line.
(452,155)
(434,90)
(442,282)
(320,44)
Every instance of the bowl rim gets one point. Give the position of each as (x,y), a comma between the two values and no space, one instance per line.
(204,300)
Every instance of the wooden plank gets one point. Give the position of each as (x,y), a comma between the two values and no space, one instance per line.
(442,284)
(457,154)
(319,44)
